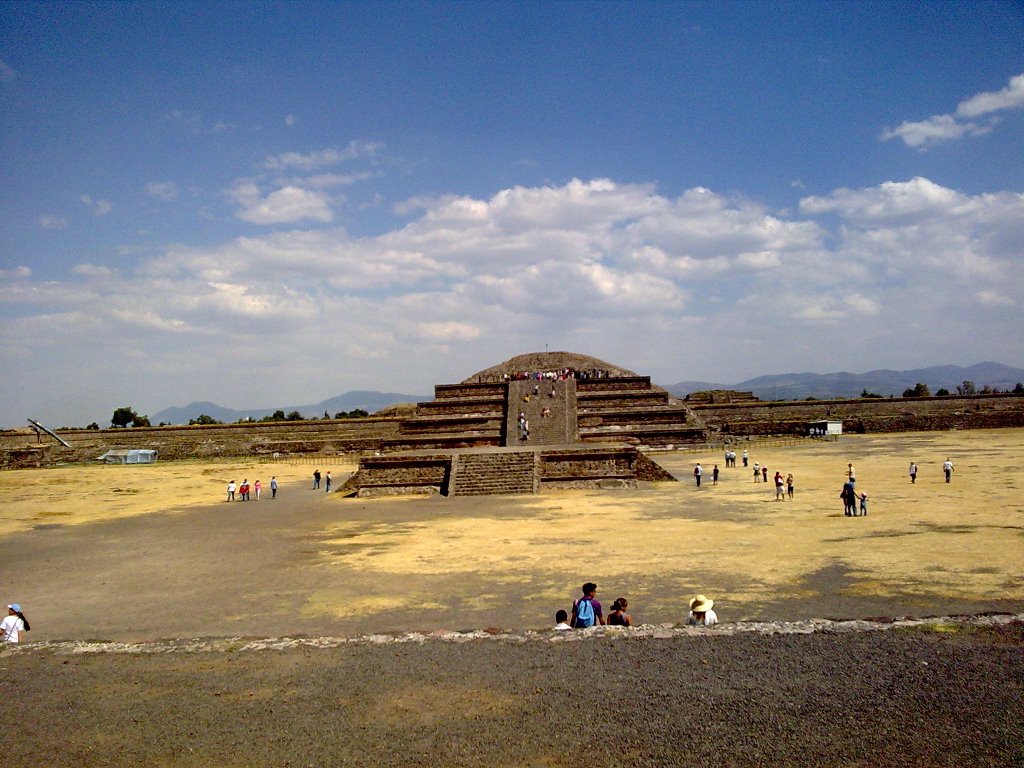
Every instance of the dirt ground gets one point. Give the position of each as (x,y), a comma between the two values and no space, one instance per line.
(147,552)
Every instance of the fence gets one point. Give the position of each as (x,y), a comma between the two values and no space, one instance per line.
(721,446)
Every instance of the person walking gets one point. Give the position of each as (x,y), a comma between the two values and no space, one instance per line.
(698,473)
(947,467)
(864,504)
(913,472)
(316,479)
(257,486)
(714,475)
(273,487)
(328,483)
(231,491)
(746,457)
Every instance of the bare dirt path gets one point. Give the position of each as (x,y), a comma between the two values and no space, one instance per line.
(151,552)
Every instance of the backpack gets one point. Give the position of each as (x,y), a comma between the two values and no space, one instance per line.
(584,613)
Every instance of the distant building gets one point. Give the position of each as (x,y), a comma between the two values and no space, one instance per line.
(825,428)
(129,456)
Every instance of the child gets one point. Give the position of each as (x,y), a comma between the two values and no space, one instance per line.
(561,620)
(864,504)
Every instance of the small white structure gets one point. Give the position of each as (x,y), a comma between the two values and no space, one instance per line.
(825,428)
(129,456)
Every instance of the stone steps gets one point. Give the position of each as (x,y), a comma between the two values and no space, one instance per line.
(484,474)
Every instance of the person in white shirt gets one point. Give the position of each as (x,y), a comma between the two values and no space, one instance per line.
(701,614)
(947,467)
(13,624)
(562,620)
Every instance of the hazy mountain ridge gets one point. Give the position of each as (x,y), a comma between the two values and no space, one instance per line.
(366,400)
(883,381)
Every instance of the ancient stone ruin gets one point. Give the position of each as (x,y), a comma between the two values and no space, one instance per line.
(532,423)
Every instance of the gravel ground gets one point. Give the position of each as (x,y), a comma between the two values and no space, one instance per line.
(943,695)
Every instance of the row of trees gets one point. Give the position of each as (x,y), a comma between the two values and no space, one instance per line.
(966,388)
(127,417)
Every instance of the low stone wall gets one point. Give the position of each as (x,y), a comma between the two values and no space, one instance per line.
(445,391)
(617,383)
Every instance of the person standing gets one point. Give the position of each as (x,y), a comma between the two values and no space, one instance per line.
(851,474)
(273,487)
(913,472)
(764,473)
(13,625)
(231,491)
(746,457)
(789,485)
(316,479)
(757,471)
(714,475)
(328,483)
(698,473)
(864,504)
(257,486)
(849,497)
(780,487)
(947,467)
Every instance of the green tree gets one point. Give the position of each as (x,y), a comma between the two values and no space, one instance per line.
(1019,389)
(918,390)
(942,392)
(293,416)
(93,425)
(141,421)
(865,394)
(967,388)
(203,418)
(123,416)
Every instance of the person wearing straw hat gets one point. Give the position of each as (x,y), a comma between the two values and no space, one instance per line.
(701,614)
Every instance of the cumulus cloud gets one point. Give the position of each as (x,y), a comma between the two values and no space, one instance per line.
(939,129)
(621,271)
(286,205)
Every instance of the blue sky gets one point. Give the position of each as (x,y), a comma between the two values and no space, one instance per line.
(271,204)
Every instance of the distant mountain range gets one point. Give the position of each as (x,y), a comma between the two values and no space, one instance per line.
(785,386)
(797,386)
(350,401)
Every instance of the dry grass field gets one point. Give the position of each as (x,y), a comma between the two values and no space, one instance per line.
(159,543)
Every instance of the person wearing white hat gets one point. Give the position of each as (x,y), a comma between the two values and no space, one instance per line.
(13,624)
(701,614)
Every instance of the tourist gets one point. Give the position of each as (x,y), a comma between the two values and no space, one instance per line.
(864,504)
(757,471)
(243,490)
(618,616)
(701,614)
(328,483)
(714,475)
(561,620)
(789,485)
(764,472)
(780,487)
(316,479)
(947,467)
(13,625)
(698,473)
(913,472)
(851,474)
(849,497)
(231,491)
(273,486)
(257,486)
(586,611)
(745,458)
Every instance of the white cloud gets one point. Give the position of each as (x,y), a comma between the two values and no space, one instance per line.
(658,283)
(50,221)
(290,120)
(16,273)
(323,158)
(939,129)
(163,190)
(286,205)
(98,207)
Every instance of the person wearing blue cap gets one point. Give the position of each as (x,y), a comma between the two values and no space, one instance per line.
(13,624)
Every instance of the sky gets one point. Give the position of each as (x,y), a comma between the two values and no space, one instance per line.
(269,204)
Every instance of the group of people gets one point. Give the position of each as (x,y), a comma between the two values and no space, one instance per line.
(587,612)
(850,496)
(326,478)
(561,374)
(245,490)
